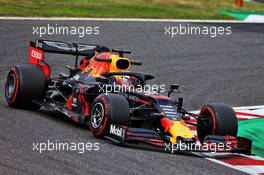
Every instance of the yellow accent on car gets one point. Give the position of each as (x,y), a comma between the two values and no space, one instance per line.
(113,66)
(179,130)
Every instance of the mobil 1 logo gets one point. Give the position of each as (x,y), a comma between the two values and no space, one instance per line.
(117,131)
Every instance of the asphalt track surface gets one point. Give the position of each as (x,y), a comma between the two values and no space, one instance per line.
(225,69)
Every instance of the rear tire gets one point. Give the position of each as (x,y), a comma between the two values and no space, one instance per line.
(217,119)
(106,109)
(24,84)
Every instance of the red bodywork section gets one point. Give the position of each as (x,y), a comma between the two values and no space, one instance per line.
(166,124)
(36,56)
(96,67)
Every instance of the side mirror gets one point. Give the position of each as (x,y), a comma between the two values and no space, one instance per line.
(172,88)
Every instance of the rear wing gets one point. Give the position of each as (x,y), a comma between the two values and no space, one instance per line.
(39,47)
(65,48)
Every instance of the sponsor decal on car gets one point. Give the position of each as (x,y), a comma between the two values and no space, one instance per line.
(117,131)
(35,55)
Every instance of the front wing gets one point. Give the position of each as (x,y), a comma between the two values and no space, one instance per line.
(123,135)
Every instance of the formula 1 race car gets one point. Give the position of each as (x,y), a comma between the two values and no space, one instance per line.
(101,92)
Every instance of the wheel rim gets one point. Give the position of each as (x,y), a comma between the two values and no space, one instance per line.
(10,86)
(204,125)
(97,115)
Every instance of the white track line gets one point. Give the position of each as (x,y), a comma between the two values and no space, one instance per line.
(251,168)
(249,107)
(231,166)
(123,19)
(255,18)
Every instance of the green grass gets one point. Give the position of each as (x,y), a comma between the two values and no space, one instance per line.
(253,129)
(176,9)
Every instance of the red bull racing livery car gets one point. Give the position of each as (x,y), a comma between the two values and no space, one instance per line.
(88,94)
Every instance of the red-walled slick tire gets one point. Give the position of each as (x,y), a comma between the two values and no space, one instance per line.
(106,109)
(24,84)
(216,119)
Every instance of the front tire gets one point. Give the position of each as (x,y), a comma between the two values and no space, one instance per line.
(106,109)
(216,119)
(24,84)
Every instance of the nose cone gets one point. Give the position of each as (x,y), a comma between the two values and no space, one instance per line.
(176,129)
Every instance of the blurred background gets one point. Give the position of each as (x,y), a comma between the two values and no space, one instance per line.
(172,9)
